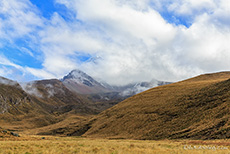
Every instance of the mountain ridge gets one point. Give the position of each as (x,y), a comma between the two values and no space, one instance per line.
(196,108)
(80,82)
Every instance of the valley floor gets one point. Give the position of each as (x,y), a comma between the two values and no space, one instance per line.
(71,145)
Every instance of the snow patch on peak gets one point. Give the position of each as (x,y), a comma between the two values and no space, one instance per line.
(80,77)
(75,74)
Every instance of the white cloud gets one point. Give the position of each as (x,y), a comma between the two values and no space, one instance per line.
(205,45)
(31,89)
(4,71)
(19,21)
(124,38)
(132,39)
(7,62)
(26,51)
(20,18)
(189,7)
(40,73)
(143,45)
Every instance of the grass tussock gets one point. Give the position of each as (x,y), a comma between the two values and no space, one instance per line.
(71,145)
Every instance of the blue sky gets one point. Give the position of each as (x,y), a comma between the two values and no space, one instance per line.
(47,8)
(118,41)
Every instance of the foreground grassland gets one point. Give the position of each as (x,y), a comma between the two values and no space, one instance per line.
(72,145)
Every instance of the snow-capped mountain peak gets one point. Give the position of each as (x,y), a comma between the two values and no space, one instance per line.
(82,83)
(80,77)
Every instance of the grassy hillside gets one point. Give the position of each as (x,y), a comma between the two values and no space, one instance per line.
(196,108)
(19,110)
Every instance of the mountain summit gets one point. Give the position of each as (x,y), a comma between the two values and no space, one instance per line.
(81,78)
(82,83)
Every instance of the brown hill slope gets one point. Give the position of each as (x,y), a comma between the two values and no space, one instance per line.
(18,108)
(45,102)
(196,108)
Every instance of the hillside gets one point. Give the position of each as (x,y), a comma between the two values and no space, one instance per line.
(39,104)
(197,108)
(18,109)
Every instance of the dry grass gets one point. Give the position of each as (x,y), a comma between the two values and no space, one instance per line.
(196,108)
(71,145)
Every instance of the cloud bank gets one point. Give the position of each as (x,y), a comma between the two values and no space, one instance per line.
(120,41)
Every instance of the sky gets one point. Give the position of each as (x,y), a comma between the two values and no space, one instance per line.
(118,41)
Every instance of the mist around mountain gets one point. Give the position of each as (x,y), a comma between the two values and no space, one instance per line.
(80,82)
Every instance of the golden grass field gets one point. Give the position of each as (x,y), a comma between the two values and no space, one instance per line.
(73,145)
